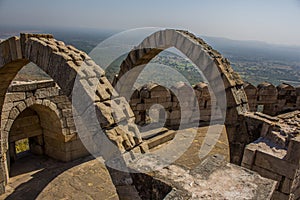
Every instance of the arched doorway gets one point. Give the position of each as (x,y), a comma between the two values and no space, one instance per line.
(35,130)
(25,137)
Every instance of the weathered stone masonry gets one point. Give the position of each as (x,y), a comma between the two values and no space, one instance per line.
(62,63)
(148,95)
(53,114)
(65,64)
(215,68)
(275,155)
(272,100)
(242,128)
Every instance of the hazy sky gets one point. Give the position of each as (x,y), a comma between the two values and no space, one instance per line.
(274,21)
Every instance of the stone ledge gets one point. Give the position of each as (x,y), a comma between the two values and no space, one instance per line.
(22,86)
(214,179)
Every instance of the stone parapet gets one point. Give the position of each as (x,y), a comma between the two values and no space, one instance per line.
(272,100)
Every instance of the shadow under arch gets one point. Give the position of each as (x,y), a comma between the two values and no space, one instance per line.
(226,85)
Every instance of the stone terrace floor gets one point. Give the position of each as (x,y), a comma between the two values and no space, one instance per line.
(37,177)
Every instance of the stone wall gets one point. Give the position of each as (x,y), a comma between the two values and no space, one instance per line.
(272,100)
(265,98)
(276,154)
(148,96)
(39,111)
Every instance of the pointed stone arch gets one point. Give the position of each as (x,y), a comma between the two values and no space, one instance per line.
(215,68)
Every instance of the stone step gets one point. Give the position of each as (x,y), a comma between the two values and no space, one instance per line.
(146,135)
(155,138)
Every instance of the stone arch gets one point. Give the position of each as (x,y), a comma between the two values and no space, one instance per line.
(63,63)
(30,102)
(215,68)
(51,127)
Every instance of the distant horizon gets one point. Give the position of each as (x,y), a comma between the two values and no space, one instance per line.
(256,61)
(51,30)
(270,21)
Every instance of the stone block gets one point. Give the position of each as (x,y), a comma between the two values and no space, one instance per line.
(158,140)
(21,106)
(293,152)
(249,155)
(15,48)
(73,145)
(14,113)
(46,92)
(78,153)
(275,165)
(150,101)
(29,94)
(286,186)
(16,96)
(8,125)
(279,196)
(266,173)
(7,106)
(70,122)
(104,90)
(104,114)
(127,192)
(2,187)
(64,105)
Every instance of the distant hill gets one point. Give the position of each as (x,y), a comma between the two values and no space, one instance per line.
(254,50)
(259,61)
(255,61)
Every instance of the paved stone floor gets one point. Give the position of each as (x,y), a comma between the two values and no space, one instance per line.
(190,158)
(43,178)
(36,177)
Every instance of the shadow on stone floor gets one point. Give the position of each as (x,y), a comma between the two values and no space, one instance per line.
(47,170)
